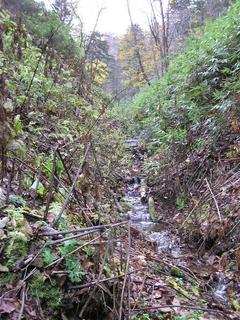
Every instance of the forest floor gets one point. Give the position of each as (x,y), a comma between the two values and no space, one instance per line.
(168,277)
(133,268)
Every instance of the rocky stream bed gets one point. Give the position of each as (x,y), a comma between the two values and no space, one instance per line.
(196,287)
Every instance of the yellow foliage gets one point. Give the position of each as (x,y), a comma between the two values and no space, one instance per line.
(98,70)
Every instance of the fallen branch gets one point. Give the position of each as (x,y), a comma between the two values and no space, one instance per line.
(70,238)
(96,228)
(86,285)
(73,251)
(183,306)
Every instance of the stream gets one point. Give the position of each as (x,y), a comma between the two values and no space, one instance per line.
(165,242)
(156,233)
(159,235)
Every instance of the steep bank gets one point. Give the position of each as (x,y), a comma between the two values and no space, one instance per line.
(189,121)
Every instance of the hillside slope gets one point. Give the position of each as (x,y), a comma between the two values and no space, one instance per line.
(189,121)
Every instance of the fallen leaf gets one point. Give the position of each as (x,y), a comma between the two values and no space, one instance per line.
(8,305)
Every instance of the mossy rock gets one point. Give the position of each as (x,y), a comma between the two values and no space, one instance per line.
(152,211)
(176,272)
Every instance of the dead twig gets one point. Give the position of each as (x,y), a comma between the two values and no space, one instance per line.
(22,301)
(52,183)
(86,285)
(73,251)
(81,235)
(80,170)
(215,201)
(97,281)
(182,306)
(74,190)
(101,227)
(126,272)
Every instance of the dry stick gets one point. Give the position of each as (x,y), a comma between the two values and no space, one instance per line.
(73,251)
(189,273)
(94,29)
(228,185)
(136,48)
(97,281)
(80,169)
(8,188)
(35,257)
(32,215)
(86,285)
(233,228)
(189,215)
(227,235)
(227,182)
(20,284)
(161,286)
(129,298)
(141,291)
(202,198)
(22,302)
(216,204)
(183,306)
(119,207)
(126,272)
(55,178)
(50,191)
(81,235)
(74,190)
(69,176)
(101,227)
(36,190)
(19,179)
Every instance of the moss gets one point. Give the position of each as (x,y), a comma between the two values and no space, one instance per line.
(17,245)
(9,278)
(74,219)
(176,272)
(47,292)
(152,210)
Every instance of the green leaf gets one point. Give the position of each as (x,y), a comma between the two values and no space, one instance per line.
(75,270)
(18,124)
(39,187)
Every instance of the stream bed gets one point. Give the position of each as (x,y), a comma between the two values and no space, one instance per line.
(157,233)
(164,241)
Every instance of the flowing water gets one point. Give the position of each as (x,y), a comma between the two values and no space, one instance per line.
(164,241)
(159,234)
(156,233)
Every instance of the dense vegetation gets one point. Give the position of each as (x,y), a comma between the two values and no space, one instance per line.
(196,104)
(189,124)
(55,169)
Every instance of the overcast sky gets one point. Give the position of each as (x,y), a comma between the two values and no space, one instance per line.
(114,19)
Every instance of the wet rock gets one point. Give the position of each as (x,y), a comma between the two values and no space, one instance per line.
(152,210)
(134,181)
(143,192)
(3,222)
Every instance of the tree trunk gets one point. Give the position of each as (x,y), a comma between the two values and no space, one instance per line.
(138,55)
